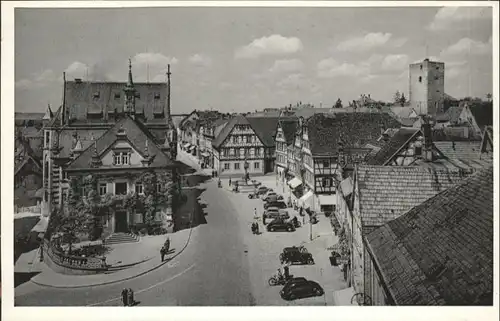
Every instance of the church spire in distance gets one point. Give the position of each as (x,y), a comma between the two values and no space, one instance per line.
(129,90)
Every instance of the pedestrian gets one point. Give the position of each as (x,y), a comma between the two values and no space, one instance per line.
(130,297)
(287,271)
(255,213)
(167,245)
(125,297)
(301,211)
(162,253)
(229,182)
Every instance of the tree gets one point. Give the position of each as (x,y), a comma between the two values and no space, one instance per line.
(397,97)
(488,97)
(338,104)
(402,99)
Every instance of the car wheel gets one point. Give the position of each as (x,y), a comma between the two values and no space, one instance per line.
(318,292)
(290,229)
(271,229)
(311,261)
(292,296)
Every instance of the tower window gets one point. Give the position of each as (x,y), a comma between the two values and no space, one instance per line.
(138,95)
(157,95)
(96,95)
(117,95)
(420,79)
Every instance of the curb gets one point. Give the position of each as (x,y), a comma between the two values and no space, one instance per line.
(125,278)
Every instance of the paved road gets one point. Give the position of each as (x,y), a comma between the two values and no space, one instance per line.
(213,269)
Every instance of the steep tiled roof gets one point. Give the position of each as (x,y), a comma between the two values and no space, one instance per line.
(136,133)
(441,252)
(407,122)
(265,128)
(221,137)
(386,192)
(289,127)
(402,111)
(453,113)
(352,129)
(395,143)
(465,153)
(454,134)
(96,97)
(483,113)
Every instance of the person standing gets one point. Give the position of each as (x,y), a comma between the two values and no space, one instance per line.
(229,182)
(125,297)
(287,271)
(255,213)
(130,297)
(162,253)
(167,245)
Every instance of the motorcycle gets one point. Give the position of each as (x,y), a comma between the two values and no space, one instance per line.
(253,195)
(278,279)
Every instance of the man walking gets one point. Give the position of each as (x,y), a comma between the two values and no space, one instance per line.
(162,253)
(125,297)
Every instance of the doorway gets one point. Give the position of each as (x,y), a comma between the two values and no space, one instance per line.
(121,224)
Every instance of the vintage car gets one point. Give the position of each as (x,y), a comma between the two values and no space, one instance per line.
(279,224)
(296,254)
(278,204)
(301,289)
(274,212)
(273,197)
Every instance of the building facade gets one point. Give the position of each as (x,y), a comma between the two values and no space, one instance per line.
(89,111)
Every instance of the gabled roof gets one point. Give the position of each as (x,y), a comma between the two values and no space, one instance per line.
(465,154)
(352,129)
(487,139)
(395,143)
(56,119)
(386,192)
(482,112)
(136,133)
(441,252)
(221,137)
(28,158)
(265,128)
(48,114)
(403,111)
(289,128)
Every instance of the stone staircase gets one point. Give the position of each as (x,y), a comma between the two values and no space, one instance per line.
(118,238)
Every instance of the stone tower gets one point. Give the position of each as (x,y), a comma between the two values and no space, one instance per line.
(129,108)
(427,87)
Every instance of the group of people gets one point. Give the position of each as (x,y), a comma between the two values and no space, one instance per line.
(128,297)
(286,272)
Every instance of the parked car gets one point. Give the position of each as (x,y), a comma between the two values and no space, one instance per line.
(274,212)
(273,197)
(268,193)
(301,289)
(296,254)
(280,225)
(262,190)
(278,204)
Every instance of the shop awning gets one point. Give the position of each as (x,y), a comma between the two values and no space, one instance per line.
(186,145)
(303,200)
(327,199)
(294,182)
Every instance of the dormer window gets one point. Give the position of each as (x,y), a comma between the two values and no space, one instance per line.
(96,95)
(420,79)
(121,158)
(117,95)
(157,95)
(138,95)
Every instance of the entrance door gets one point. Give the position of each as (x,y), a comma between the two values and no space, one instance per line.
(121,221)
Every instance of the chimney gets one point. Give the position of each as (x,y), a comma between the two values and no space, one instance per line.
(427,149)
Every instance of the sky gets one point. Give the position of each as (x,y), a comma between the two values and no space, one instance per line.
(243,59)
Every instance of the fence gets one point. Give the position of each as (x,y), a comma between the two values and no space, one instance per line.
(68,264)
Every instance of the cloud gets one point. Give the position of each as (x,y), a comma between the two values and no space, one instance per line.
(467,46)
(330,68)
(200,60)
(395,62)
(151,66)
(37,80)
(370,41)
(450,18)
(287,65)
(298,81)
(272,45)
(94,72)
